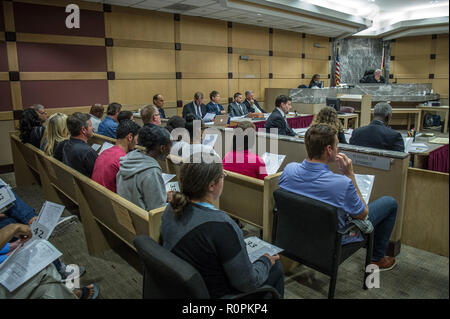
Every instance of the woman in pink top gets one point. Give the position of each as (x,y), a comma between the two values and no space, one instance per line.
(241,160)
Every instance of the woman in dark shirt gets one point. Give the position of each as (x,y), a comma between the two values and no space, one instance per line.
(328,115)
(207,238)
(31,129)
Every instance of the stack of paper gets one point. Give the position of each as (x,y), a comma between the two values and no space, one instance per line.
(273,162)
(36,254)
(440,140)
(257,247)
(417,148)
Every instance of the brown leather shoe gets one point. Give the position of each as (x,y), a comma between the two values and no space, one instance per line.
(385,263)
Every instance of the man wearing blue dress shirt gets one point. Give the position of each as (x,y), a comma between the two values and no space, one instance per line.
(109,125)
(214,106)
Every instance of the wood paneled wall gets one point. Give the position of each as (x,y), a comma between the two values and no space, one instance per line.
(422,59)
(128,55)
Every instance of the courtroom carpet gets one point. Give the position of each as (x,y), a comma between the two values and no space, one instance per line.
(419,274)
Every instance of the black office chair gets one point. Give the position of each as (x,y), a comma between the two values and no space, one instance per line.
(308,232)
(166,276)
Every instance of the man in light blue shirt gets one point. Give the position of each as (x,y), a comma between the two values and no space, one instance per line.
(314,179)
(109,125)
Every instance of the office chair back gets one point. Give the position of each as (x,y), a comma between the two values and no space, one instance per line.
(306,229)
(166,276)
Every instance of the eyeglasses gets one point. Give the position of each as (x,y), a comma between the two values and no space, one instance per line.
(43,112)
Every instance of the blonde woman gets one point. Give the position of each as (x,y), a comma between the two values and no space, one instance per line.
(55,135)
(328,115)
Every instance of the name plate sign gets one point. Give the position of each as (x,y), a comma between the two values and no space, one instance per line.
(368,160)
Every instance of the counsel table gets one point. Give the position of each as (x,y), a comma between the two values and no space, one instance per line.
(300,121)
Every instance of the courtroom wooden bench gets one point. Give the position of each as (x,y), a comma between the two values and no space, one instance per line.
(99,207)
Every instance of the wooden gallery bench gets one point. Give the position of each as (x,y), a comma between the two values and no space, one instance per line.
(105,215)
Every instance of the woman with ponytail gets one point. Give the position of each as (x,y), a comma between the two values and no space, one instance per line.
(207,238)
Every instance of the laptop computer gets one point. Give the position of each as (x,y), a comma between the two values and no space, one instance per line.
(221,120)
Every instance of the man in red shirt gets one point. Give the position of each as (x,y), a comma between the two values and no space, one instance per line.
(108,162)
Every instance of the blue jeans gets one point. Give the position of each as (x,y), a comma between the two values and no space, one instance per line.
(276,278)
(20,213)
(382,214)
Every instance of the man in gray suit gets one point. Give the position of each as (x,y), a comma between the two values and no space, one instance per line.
(237,108)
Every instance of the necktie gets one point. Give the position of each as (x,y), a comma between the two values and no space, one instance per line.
(199,112)
(242,111)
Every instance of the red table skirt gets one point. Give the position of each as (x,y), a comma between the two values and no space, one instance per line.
(294,122)
(438,159)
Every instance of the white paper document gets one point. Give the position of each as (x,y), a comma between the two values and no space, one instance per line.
(6,197)
(273,162)
(167,177)
(300,131)
(210,139)
(257,247)
(417,148)
(209,117)
(96,147)
(365,185)
(47,219)
(172,187)
(26,262)
(105,146)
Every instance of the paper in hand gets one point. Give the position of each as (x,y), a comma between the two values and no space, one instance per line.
(257,247)
(365,185)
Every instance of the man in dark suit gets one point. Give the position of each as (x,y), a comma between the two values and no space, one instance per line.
(278,117)
(196,107)
(158,101)
(237,108)
(377,134)
(251,104)
(214,106)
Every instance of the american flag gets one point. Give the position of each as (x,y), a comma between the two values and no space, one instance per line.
(337,76)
